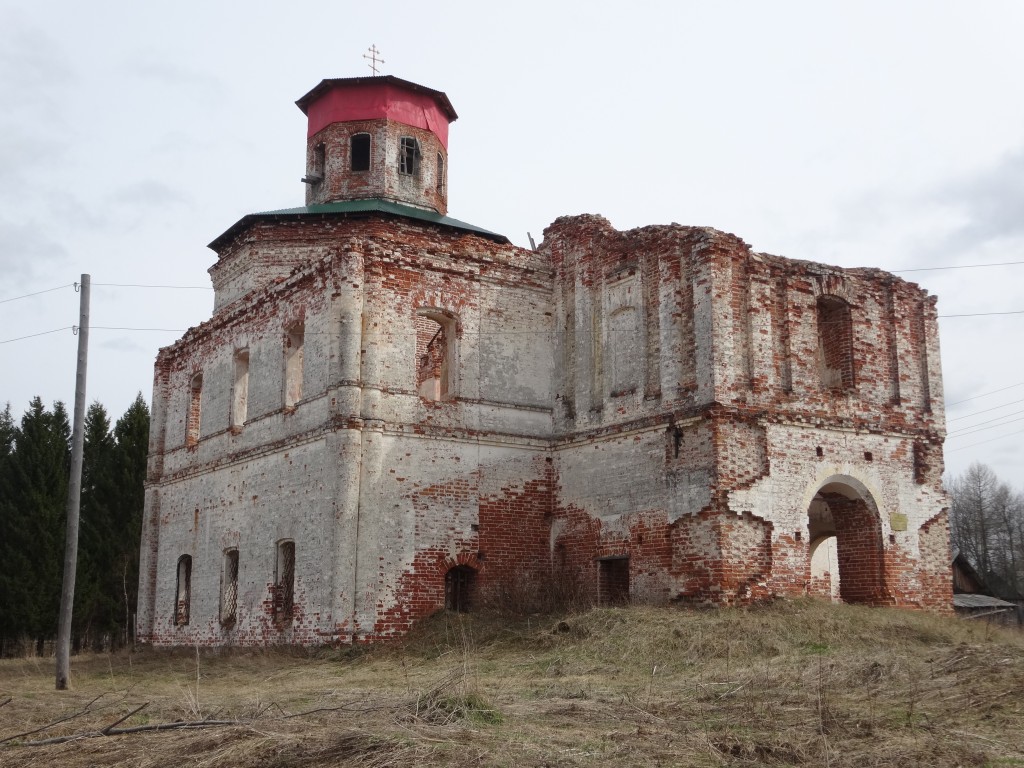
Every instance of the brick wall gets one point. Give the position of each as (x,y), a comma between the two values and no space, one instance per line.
(657,400)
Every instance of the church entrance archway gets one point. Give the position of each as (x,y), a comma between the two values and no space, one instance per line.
(845,534)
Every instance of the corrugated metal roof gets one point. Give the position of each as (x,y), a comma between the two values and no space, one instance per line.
(344,207)
(980,601)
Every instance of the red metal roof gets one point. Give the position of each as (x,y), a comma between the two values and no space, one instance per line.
(369,98)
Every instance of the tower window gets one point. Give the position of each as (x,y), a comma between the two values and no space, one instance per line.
(409,156)
(440,173)
(183,591)
(360,144)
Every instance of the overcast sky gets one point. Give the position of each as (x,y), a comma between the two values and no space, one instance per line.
(860,133)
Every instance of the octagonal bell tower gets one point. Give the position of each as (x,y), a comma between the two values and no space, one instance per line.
(377,138)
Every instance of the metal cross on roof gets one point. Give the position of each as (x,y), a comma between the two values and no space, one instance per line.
(372,56)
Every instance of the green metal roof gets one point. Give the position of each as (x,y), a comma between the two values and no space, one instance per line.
(344,207)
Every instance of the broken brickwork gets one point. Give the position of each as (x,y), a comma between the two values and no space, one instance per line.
(391,412)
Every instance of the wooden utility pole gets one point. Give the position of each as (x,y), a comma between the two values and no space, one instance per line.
(67,595)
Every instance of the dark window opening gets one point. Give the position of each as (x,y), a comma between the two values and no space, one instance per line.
(183,591)
(868,456)
(613,581)
(229,589)
(360,144)
(835,343)
(284,582)
(819,452)
(409,156)
(192,419)
(458,588)
(440,173)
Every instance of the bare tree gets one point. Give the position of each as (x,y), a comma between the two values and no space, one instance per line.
(987,526)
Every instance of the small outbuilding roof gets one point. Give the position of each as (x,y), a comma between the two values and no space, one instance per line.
(980,601)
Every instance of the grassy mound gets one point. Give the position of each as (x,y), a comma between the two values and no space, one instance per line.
(791,684)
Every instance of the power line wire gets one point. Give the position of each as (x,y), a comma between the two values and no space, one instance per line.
(982,442)
(979,427)
(986,314)
(26,295)
(93,328)
(957,266)
(140,285)
(124,328)
(986,394)
(986,410)
(33,335)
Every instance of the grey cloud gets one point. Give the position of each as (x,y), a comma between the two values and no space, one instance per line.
(26,250)
(992,200)
(167,75)
(148,192)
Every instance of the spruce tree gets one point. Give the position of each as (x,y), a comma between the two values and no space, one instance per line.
(95,611)
(9,580)
(131,436)
(34,490)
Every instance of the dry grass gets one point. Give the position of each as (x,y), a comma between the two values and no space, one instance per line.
(798,683)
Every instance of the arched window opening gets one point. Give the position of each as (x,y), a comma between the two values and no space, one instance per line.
(183,591)
(193,418)
(360,152)
(435,353)
(284,582)
(294,343)
(240,393)
(229,589)
(835,343)
(409,156)
(440,173)
(459,588)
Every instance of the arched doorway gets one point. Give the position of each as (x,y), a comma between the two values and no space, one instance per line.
(845,534)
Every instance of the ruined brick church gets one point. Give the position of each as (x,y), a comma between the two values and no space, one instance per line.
(391,412)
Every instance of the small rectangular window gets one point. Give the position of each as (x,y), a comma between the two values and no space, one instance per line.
(183,591)
(284,582)
(360,144)
(409,156)
(229,589)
